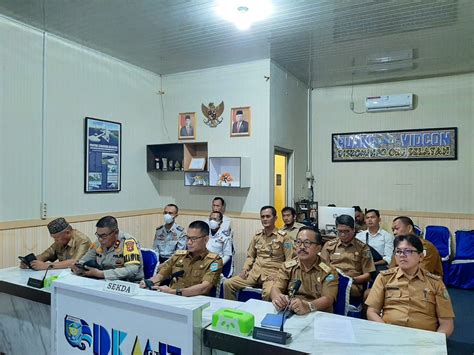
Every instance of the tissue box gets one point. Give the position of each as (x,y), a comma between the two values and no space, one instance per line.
(233,321)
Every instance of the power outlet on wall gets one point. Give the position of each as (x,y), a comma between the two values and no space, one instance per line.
(44,210)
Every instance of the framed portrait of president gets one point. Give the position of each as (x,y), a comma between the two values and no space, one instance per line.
(187,125)
(240,121)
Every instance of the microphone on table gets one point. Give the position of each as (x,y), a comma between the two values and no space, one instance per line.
(149,284)
(294,288)
(39,283)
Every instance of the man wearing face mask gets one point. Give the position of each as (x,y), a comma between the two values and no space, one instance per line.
(170,236)
(220,240)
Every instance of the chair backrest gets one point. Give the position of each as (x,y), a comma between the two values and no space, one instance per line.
(249,293)
(464,245)
(341,305)
(150,262)
(441,238)
(418,231)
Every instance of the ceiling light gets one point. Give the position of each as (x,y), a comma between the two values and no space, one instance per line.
(389,57)
(243,13)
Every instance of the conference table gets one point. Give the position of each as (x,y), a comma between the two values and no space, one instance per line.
(110,321)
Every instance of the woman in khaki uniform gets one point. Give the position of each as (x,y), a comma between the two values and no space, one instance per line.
(408,295)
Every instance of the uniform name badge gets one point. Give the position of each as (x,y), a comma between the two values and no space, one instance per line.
(121,287)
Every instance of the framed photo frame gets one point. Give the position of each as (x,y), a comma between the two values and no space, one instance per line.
(187,125)
(240,121)
(103,155)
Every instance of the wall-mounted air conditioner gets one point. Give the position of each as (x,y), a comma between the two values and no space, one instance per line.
(389,103)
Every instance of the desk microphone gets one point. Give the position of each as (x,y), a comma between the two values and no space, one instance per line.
(39,283)
(294,288)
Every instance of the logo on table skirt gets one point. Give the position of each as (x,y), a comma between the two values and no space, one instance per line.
(77,332)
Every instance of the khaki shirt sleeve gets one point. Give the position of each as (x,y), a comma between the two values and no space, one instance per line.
(48,255)
(283,279)
(432,260)
(167,267)
(324,254)
(251,255)
(376,296)
(444,308)
(367,261)
(91,254)
(393,262)
(330,286)
(213,274)
(288,248)
(81,249)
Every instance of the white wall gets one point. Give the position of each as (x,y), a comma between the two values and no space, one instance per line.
(288,125)
(78,83)
(431,186)
(236,85)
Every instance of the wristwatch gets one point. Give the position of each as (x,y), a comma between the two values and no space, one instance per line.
(312,307)
(179,292)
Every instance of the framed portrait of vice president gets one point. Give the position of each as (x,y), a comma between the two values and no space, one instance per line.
(240,122)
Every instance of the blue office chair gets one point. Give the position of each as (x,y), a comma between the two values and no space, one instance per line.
(150,262)
(461,270)
(418,231)
(341,304)
(441,238)
(249,293)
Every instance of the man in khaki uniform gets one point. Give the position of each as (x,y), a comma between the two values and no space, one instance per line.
(349,254)
(432,260)
(202,269)
(116,255)
(409,295)
(319,281)
(267,251)
(291,226)
(68,247)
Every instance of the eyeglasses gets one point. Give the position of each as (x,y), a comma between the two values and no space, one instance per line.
(105,235)
(307,243)
(405,252)
(193,239)
(345,232)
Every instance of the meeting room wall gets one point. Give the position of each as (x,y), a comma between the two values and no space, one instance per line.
(425,187)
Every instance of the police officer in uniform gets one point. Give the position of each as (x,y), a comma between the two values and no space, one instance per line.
(202,269)
(291,227)
(220,240)
(268,249)
(170,236)
(408,295)
(68,247)
(431,260)
(116,254)
(349,254)
(319,281)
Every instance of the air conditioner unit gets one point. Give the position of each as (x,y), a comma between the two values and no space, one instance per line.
(400,102)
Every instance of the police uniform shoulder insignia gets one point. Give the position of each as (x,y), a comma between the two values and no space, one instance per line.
(179,228)
(181,252)
(330,278)
(212,255)
(290,263)
(388,272)
(433,276)
(116,244)
(325,267)
(281,232)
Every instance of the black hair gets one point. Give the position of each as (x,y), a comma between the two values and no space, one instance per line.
(107,222)
(357,209)
(377,213)
(411,239)
(407,221)
(219,199)
(173,205)
(274,211)
(346,220)
(318,238)
(290,209)
(201,225)
(221,216)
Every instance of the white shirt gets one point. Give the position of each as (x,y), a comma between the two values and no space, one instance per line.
(220,243)
(226,224)
(382,241)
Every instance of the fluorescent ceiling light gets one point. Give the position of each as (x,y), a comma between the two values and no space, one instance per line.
(244,12)
(389,57)
(390,67)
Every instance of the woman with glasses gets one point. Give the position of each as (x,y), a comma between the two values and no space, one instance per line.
(408,295)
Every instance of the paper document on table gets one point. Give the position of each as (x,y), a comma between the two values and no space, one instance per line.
(338,330)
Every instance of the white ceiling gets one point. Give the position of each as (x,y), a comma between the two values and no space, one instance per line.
(327,41)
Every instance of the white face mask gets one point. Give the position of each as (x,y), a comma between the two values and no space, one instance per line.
(213,224)
(168,218)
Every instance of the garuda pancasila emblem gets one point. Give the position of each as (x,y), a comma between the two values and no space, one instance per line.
(212,114)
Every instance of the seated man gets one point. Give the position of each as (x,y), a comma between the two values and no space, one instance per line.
(432,260)
(377,238)
(220,241)
(349,255)
(218,205)
(170,236)
(408,295)
(359,219)
(319,281)
(202,269)
(268,249)
(291,226)
(68,247)
(116,255)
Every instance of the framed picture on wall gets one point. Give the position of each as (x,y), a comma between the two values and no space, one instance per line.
(103,156)
(187,125)
(240,121)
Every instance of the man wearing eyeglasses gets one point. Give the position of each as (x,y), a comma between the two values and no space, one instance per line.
(408,295)
(202,269)
(115,256)
(319,281)
(349,254)
(268,250)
